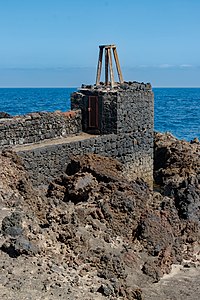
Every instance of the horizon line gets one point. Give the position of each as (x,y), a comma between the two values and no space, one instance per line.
(66,87)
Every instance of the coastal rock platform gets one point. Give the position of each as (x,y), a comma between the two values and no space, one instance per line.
(94,234)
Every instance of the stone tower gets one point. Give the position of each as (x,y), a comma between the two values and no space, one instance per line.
(124,113)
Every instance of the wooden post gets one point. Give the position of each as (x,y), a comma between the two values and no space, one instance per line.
(117,65)
(111,68)
(99,65)
(106,66)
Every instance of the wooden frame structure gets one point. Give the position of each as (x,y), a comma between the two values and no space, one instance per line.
(108,65)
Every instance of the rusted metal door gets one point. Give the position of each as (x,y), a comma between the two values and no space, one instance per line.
(93,112)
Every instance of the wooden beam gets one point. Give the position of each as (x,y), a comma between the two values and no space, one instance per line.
(117,65)
(99,67)
(106,66)
(111,67)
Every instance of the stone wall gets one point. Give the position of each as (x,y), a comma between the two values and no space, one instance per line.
(135,109)
(124,128)
(126,110)
(127,107)
(36,127)
(46,163)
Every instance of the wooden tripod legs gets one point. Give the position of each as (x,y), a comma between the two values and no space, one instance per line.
(108,65)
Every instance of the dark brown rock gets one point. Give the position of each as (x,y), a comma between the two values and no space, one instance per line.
(4,115)
(95,226)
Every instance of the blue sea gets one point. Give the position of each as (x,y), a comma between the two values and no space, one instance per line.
(177,110)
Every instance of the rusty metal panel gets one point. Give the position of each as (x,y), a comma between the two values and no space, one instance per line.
(93,112)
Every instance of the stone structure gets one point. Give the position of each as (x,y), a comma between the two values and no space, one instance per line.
(117,122)
(127,110)
(36,127)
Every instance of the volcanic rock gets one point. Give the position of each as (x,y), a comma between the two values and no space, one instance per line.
(4,115)
(93,234)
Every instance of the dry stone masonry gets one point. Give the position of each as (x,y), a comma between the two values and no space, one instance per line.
(40,126)
(127,110)
(117,122)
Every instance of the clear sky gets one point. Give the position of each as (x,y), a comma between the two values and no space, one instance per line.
(55,42)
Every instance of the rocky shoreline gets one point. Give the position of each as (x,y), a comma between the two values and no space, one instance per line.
(93,234)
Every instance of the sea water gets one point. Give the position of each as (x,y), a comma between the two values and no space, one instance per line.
(20,101)
(177,110)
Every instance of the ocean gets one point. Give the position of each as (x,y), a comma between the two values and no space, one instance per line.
(177,110)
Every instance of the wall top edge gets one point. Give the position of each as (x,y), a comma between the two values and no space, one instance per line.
(126,85)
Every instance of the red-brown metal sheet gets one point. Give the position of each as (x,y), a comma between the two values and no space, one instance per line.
(93,112)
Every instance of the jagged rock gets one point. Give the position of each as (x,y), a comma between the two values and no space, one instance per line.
(150,269)
(106,290)
(79,188)
(102,168)
(177,172)
(12,225)
(20,245)
(93,226)
(155,232)
(4,115)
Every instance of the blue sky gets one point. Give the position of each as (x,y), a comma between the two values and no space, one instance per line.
(55,42)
